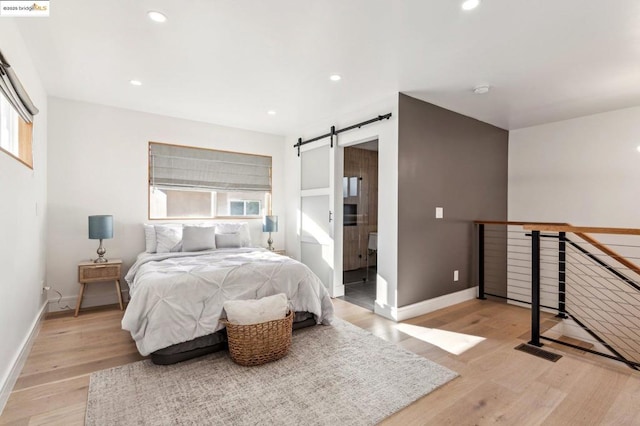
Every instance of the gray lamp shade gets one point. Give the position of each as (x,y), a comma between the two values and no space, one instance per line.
(270,224)
(100,227)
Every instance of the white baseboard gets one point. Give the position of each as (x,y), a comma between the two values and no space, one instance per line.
(426,306)
(389,312)
(88,301)
(21,358)
(338,290)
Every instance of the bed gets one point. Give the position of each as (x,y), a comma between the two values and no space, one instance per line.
(176,298)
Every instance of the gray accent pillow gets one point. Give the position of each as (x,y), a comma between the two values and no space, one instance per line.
(198,238)
(228,240)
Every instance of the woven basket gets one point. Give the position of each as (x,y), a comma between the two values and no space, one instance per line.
(257,344)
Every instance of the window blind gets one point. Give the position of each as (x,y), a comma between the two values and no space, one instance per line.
(180,167)
(12,89)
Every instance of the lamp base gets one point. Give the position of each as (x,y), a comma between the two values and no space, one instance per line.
(101,251)
(270,242)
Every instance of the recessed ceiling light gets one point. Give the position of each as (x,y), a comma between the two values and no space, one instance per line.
(135,82)
(638,148)
(481,90)
(271,112)
(335,77)
(156,16)
(470,4)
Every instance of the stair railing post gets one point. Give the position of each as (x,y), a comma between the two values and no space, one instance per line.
(481,261)
(535,289)
(562,275)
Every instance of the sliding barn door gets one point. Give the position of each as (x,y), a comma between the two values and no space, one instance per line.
(317,210)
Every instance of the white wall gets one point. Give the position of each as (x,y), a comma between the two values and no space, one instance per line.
(23,211)
(387,133)
(98,162)
(584,171)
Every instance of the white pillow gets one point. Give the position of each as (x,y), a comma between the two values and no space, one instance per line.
(198,238)
(242,228)
(246,312)
(169,238)
(228,241)
(150,238)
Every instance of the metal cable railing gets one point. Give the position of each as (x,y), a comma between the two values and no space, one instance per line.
(593,288)
(513,245)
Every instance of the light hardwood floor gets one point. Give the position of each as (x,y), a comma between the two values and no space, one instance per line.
(497,385)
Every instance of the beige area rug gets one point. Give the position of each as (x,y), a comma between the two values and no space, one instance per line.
(338,375)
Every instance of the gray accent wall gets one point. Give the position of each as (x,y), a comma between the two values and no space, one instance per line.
(451,161)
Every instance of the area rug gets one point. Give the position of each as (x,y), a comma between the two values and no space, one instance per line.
(333,375)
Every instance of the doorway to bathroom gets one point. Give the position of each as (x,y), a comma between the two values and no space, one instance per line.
(360,223)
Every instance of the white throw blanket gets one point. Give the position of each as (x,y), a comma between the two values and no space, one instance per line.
(176,297)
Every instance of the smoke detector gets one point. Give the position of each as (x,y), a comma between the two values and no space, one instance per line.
(481,90)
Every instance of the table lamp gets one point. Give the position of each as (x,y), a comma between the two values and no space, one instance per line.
(270,225)
(100,227)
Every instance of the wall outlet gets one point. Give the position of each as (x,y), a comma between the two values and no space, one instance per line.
(456,275)
(439,212)
(44,287)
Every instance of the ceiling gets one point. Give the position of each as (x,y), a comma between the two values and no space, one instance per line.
(229,62)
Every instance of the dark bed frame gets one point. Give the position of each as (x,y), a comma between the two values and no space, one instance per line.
(211,343)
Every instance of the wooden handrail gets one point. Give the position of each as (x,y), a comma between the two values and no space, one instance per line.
(580,232)
(507,222)
(580,229)
(620,259)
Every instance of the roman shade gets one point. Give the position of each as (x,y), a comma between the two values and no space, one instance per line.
(12,89)
(180,167)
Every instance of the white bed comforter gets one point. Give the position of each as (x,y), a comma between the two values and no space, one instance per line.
(177,297)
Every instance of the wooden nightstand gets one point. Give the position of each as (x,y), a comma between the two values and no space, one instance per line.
(282,252)
(89,272)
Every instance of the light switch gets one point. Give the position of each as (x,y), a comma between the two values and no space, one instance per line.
(439,212)
(456,276)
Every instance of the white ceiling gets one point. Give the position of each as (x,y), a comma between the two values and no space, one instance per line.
(229,61)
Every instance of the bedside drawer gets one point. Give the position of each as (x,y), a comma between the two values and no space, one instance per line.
(98,273)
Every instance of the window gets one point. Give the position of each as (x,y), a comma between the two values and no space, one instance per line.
(16,115)
(245,207)
(15,133)
(350,186)
(8,127)
(189,182)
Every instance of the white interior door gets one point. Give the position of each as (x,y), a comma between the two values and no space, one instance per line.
(317,210)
